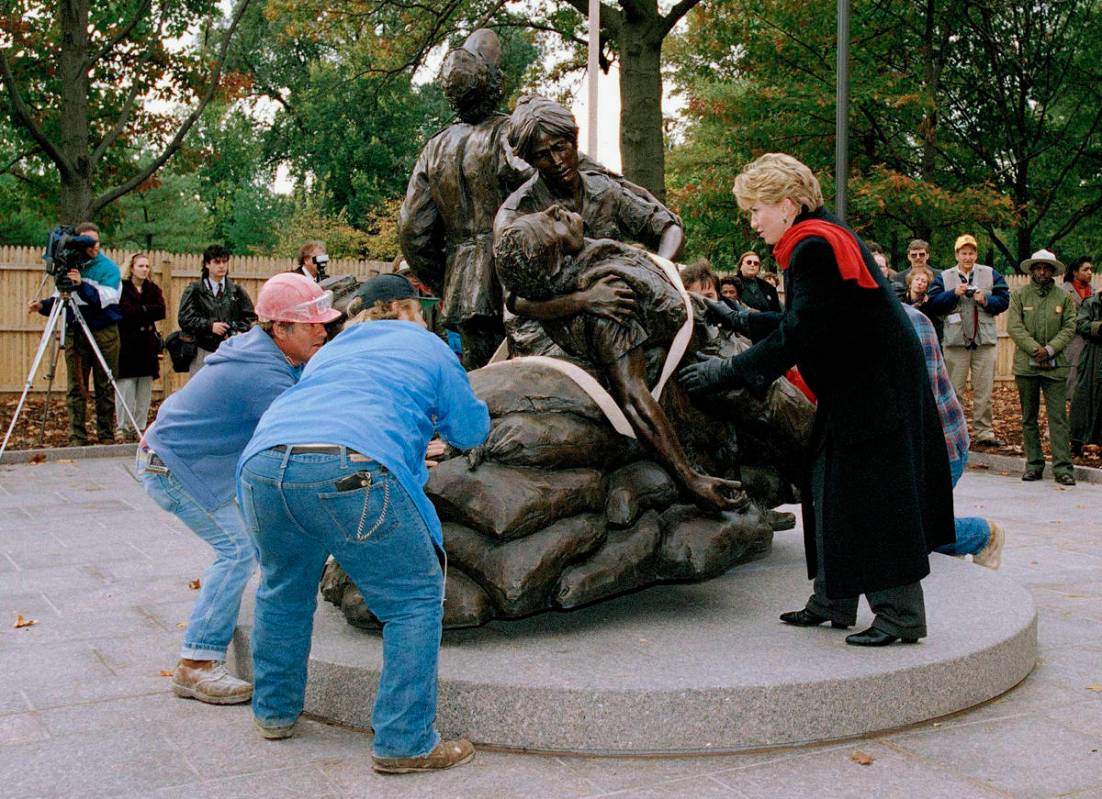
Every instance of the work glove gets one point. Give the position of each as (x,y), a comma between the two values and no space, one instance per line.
(708,373)
(721,314)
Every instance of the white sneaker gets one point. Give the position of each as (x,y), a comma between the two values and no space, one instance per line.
(215,686)
(991,555)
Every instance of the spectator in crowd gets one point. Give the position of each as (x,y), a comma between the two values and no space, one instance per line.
(757,293)
(918,293)
(1077,283)
(214,308)
(730,290)
(314,482)
(976,536)
(312,260)
(698,278)
(1086,404)
(968,297)
(187,458)
(142,306)
(918,256)
(97,292)
(1042,324)
(875,413)
(882,259)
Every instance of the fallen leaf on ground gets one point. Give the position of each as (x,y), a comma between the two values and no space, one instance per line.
(181,625)
(195,584)
(39,458)
(21,622)
(860,758)
(1095,687)
(166,673)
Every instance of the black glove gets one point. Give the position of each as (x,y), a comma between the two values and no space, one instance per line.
(723,315)
(710,372)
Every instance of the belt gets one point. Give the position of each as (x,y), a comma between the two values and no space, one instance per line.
(322,449)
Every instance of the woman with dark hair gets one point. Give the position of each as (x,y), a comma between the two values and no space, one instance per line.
(757,293)
(142,305)
(875,413)
(214,308)
(730,291)
(1077,283)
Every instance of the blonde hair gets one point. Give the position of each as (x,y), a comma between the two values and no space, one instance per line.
(309,250)
(382,309)
(130,264)
(774,177)
(920,271)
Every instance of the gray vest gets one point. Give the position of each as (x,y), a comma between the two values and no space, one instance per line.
(970,322)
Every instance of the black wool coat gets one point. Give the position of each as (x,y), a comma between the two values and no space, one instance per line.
(887,490)
(138,342)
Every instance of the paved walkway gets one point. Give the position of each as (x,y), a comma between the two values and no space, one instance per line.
(84,710)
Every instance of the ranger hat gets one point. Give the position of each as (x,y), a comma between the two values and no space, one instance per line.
(1046,257)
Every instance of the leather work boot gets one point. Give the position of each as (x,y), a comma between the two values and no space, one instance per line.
(445,755)
(215,686)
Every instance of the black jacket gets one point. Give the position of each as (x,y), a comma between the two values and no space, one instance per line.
(759,294)
(199,309)
(886,488)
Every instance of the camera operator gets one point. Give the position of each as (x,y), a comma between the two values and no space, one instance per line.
(214,308)
(312,261)
(97,287)
(969,296)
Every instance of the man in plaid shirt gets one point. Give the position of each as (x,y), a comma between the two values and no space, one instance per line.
(976,536)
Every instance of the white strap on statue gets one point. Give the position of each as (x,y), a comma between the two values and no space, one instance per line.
(586,383)
(680,342)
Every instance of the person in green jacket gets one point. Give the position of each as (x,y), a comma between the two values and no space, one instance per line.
(1041,323)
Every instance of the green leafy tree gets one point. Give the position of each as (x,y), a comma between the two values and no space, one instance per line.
(80,84)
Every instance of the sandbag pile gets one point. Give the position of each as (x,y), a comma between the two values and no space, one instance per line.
(556,510)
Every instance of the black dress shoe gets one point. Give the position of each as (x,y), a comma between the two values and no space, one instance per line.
(875,637)
(805,618)
(1031,475)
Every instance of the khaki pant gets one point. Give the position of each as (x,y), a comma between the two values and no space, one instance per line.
(80,360)
(981,363)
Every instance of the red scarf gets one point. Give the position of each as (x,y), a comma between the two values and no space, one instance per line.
(847,253)
(1082,289)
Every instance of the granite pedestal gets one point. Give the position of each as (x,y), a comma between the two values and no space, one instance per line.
(695,668)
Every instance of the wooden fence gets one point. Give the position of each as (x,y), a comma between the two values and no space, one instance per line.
(21,281)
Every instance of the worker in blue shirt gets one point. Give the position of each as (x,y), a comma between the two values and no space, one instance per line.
(337,466)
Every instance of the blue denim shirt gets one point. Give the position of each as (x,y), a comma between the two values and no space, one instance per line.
(381,389)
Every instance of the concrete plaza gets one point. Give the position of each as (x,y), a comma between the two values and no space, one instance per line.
(85,710)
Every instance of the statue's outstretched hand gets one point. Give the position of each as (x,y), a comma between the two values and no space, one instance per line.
(709,372)
(715,493)
(611,298)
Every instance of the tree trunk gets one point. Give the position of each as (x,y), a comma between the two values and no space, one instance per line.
(75,201)
(642,145)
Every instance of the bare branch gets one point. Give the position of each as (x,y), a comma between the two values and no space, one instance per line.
(143,175)
(120,123)
(675,14)
(21,114)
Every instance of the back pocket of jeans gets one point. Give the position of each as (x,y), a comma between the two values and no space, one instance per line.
(361,514)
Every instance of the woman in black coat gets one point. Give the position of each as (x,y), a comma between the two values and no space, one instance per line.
(757,292)
(142,305)
(213,308)
(875,416)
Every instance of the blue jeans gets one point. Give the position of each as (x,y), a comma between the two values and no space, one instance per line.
(298,517)
(214,616)
(973,532)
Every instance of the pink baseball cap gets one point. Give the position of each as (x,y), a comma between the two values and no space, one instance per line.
(291,297)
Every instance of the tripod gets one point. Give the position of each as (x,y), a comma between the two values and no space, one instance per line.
(57,319)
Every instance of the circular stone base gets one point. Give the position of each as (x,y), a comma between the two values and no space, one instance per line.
(697,668)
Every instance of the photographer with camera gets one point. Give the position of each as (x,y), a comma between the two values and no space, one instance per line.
(94,282)
(969,296)
(214,308)
(312,261)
